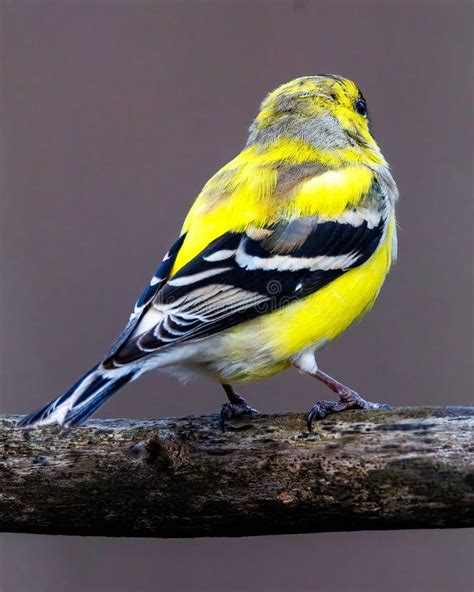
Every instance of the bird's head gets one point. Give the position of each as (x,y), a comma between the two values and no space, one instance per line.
(327,111)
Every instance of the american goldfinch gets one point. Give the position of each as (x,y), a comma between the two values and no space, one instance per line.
(284,248)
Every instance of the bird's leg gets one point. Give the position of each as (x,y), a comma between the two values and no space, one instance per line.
(235,406)
(348,399)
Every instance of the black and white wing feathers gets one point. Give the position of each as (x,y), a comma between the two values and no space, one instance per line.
(159,279)
(241,276)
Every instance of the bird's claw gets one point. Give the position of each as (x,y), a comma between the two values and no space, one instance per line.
(348,399)
(322,408)
(230,410)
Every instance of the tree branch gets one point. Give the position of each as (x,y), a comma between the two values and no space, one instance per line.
(403,468)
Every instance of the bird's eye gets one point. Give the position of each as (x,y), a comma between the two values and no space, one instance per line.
(361,107)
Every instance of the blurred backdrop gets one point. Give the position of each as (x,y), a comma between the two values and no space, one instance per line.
(113,115)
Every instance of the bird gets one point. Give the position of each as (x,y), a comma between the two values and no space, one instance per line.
(284,248)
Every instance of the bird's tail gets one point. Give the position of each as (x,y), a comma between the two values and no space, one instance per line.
(82,399)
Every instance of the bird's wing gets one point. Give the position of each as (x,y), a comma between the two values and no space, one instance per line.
(158,280)
(243,275)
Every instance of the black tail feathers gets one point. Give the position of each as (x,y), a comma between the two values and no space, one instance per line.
(81,400)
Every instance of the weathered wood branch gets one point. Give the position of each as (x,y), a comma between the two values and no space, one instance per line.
(403,468)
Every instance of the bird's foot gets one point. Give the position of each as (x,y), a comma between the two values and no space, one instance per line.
(238,406)
(348,399)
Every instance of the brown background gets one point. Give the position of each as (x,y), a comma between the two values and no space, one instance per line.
(113,116)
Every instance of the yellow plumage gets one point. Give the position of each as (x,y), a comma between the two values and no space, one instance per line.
(284,248)
(244,193)
(247,196)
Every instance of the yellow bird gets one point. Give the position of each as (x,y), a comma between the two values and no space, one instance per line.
(284,248)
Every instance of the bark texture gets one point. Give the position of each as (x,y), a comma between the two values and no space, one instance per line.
(403,468)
